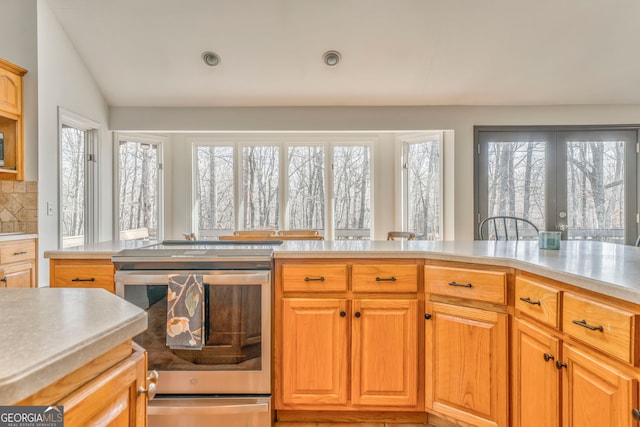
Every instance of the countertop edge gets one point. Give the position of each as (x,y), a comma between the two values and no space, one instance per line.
(22,385)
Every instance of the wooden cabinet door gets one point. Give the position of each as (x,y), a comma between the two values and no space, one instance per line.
(385,352)
(111,399)
(595,394)
(315,334)
(19,276)
(466,364)
(536,382)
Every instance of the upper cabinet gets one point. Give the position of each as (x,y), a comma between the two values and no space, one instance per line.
(11,127)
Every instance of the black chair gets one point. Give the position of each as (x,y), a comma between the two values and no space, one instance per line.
(507,228)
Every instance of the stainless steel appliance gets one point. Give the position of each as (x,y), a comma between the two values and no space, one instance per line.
(228,381)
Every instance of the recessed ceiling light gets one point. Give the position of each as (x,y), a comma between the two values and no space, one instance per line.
(211,59)
(331,58)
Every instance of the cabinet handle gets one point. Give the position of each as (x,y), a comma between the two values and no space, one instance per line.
(77,279)
(461,285)
(636,414)
(548,357)
(20,253)
(386,279)
(584,324)
(427,316)
(314,279)
(358,314)
(560,365)
(529,301)
(343,313)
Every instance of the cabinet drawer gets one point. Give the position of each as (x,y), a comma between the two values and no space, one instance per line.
(480,285)
(538,301)
(602,326)
(384,277)
(24,250)
(314,277)
(84,276)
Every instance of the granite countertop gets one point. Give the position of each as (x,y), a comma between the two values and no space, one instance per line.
(48,333)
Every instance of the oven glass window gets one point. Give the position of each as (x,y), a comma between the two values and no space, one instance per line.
(232,329)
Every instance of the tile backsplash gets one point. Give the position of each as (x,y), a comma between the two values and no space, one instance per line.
(19,207)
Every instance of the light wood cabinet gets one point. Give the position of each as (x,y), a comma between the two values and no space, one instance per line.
(346,348)
(112,399)
(18,263)
(595,393)
(109,391)
(536,395)
(385,352)
(11,122)
(82,273)
(591,352)
(314,351)
(466,364)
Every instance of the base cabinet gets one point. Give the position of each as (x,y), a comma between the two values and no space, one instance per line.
(536,396)
(466,364)
(314,351)
(82,273)
(318,336)
(18,264)
(112,399)
(595,394)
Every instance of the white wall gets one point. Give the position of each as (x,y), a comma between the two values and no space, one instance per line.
(18,44)
(64,81)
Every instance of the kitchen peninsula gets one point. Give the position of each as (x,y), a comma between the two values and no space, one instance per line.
(471,332)
(72,347)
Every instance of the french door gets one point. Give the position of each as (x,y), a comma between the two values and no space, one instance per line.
(580,182)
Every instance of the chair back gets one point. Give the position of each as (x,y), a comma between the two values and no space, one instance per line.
(507,228)
(254,233)
(399,235)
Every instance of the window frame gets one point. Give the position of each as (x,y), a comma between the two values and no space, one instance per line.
(283,143)
(142,138)
(92,139)
(404,140)
(552,156)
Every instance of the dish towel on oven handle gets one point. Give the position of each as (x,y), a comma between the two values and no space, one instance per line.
(185,312)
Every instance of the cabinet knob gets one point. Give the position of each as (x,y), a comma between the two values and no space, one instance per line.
(427,316)
(560,365)
(358,314)
(636,414)
(548,357)
(4,279)
(343,313)
(152,385)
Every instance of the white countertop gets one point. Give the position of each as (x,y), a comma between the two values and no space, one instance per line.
(101,250)
(7,237)
(46,333)
(605,268)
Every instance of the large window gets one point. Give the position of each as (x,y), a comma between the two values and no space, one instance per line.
(78,140)
(580,182)
(239,185)
(139,187)
(422,185)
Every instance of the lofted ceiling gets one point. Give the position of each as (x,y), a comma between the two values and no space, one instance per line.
(394,52)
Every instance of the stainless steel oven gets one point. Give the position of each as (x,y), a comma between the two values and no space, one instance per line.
(226,382)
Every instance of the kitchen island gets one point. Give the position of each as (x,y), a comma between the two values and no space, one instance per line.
(64,346)
(452,332)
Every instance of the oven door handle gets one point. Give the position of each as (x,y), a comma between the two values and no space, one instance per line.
(207,407)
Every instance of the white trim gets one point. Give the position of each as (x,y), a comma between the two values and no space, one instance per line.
(160,141)
(92,131)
